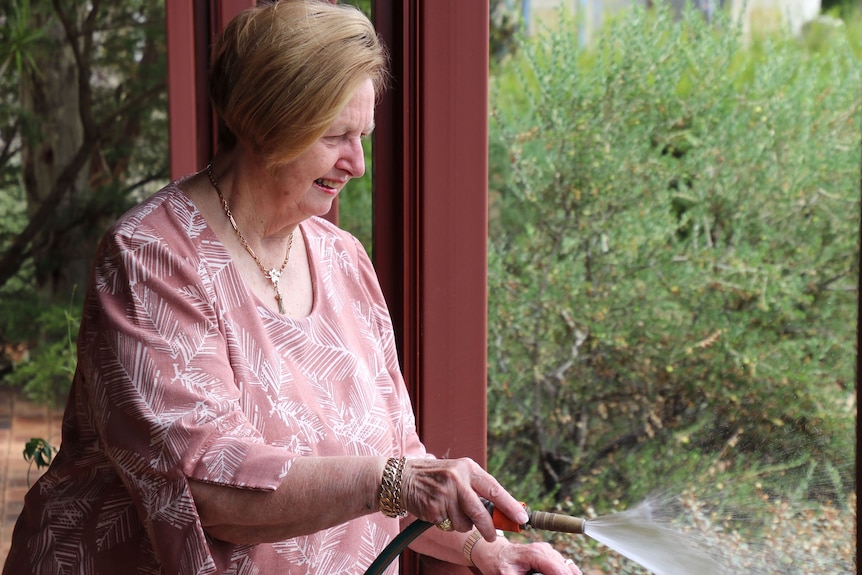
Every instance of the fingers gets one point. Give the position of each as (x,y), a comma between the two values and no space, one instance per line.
(572,567)
(486,486)
(435,490)
(502,556)
(544,559)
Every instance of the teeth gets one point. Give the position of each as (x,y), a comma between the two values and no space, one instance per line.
(326,183)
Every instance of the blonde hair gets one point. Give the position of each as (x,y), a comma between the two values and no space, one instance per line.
(281,73)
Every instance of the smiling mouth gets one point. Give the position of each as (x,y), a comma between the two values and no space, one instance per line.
(328,184)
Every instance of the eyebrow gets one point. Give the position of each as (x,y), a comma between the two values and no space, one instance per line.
(343,129)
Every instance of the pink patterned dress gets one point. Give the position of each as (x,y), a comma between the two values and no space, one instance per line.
(183,373)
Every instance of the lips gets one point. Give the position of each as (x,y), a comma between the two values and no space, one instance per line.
(329,185)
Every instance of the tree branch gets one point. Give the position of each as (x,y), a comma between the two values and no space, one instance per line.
(14,256)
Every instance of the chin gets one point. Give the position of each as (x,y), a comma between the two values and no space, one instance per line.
(322,208)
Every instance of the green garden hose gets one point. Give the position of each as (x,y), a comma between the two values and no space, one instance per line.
(396,546)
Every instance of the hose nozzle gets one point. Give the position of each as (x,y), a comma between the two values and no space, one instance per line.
(556,522)
(537,520)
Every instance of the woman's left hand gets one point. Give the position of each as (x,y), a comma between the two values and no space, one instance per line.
(502,557)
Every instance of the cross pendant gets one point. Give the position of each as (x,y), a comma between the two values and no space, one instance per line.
(274,276)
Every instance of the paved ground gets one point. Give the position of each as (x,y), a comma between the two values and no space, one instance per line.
(20,420)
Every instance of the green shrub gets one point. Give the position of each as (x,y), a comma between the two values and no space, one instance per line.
(673,262)
(355,207)
(44,373)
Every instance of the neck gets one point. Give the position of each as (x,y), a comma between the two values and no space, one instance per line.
(273,274)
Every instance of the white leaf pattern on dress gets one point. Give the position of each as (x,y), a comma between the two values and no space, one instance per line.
(183,374)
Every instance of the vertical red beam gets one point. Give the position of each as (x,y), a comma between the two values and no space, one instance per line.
(454,179)
(220,13)
(191,24)
(188,122)
(430,166)
(396,183)
(454,214)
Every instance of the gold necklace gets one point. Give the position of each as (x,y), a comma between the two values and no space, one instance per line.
(273,275)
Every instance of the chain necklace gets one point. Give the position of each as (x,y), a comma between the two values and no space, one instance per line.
(273,275)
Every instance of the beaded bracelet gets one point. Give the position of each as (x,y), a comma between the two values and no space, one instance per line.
(390,488)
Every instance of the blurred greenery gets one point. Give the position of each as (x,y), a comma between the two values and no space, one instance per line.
(673,261)
(355,202)
(73,156)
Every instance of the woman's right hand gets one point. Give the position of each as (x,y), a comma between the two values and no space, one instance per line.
(438,489)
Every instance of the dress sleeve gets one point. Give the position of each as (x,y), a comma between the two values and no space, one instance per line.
(411,444)
(158,391)
(157,365)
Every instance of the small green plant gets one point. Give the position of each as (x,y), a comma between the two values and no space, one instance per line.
(38,452)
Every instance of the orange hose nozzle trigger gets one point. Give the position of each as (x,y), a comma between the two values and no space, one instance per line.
(501,521)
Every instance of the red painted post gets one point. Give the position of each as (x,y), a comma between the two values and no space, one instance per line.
(430,166)
(396,183)
(454,134)
(189,137)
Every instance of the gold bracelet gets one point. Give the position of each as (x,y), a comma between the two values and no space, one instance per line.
(469,544)
(390,488)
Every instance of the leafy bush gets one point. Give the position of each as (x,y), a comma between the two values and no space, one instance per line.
(673,262)
(47,337)
(355,208)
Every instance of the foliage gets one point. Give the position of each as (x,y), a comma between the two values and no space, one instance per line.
(79,165)
(100,156)
(18,39)
(673,262)
(39,452)
(46,375)
(355,208)
(505,23)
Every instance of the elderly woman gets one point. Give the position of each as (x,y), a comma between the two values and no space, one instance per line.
(238,406)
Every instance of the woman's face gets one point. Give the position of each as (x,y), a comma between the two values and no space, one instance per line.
(312,180)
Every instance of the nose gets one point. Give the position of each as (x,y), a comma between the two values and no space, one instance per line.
(352,158)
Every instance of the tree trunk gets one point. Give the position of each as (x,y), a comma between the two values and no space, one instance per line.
(51,95)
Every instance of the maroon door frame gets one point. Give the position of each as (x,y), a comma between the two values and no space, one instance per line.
(430,202)
(431,173)
(430,209)
(190,24)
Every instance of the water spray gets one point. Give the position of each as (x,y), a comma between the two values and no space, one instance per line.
(636,534)
(537,520)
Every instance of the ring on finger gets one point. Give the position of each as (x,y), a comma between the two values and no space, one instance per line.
(445,525)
